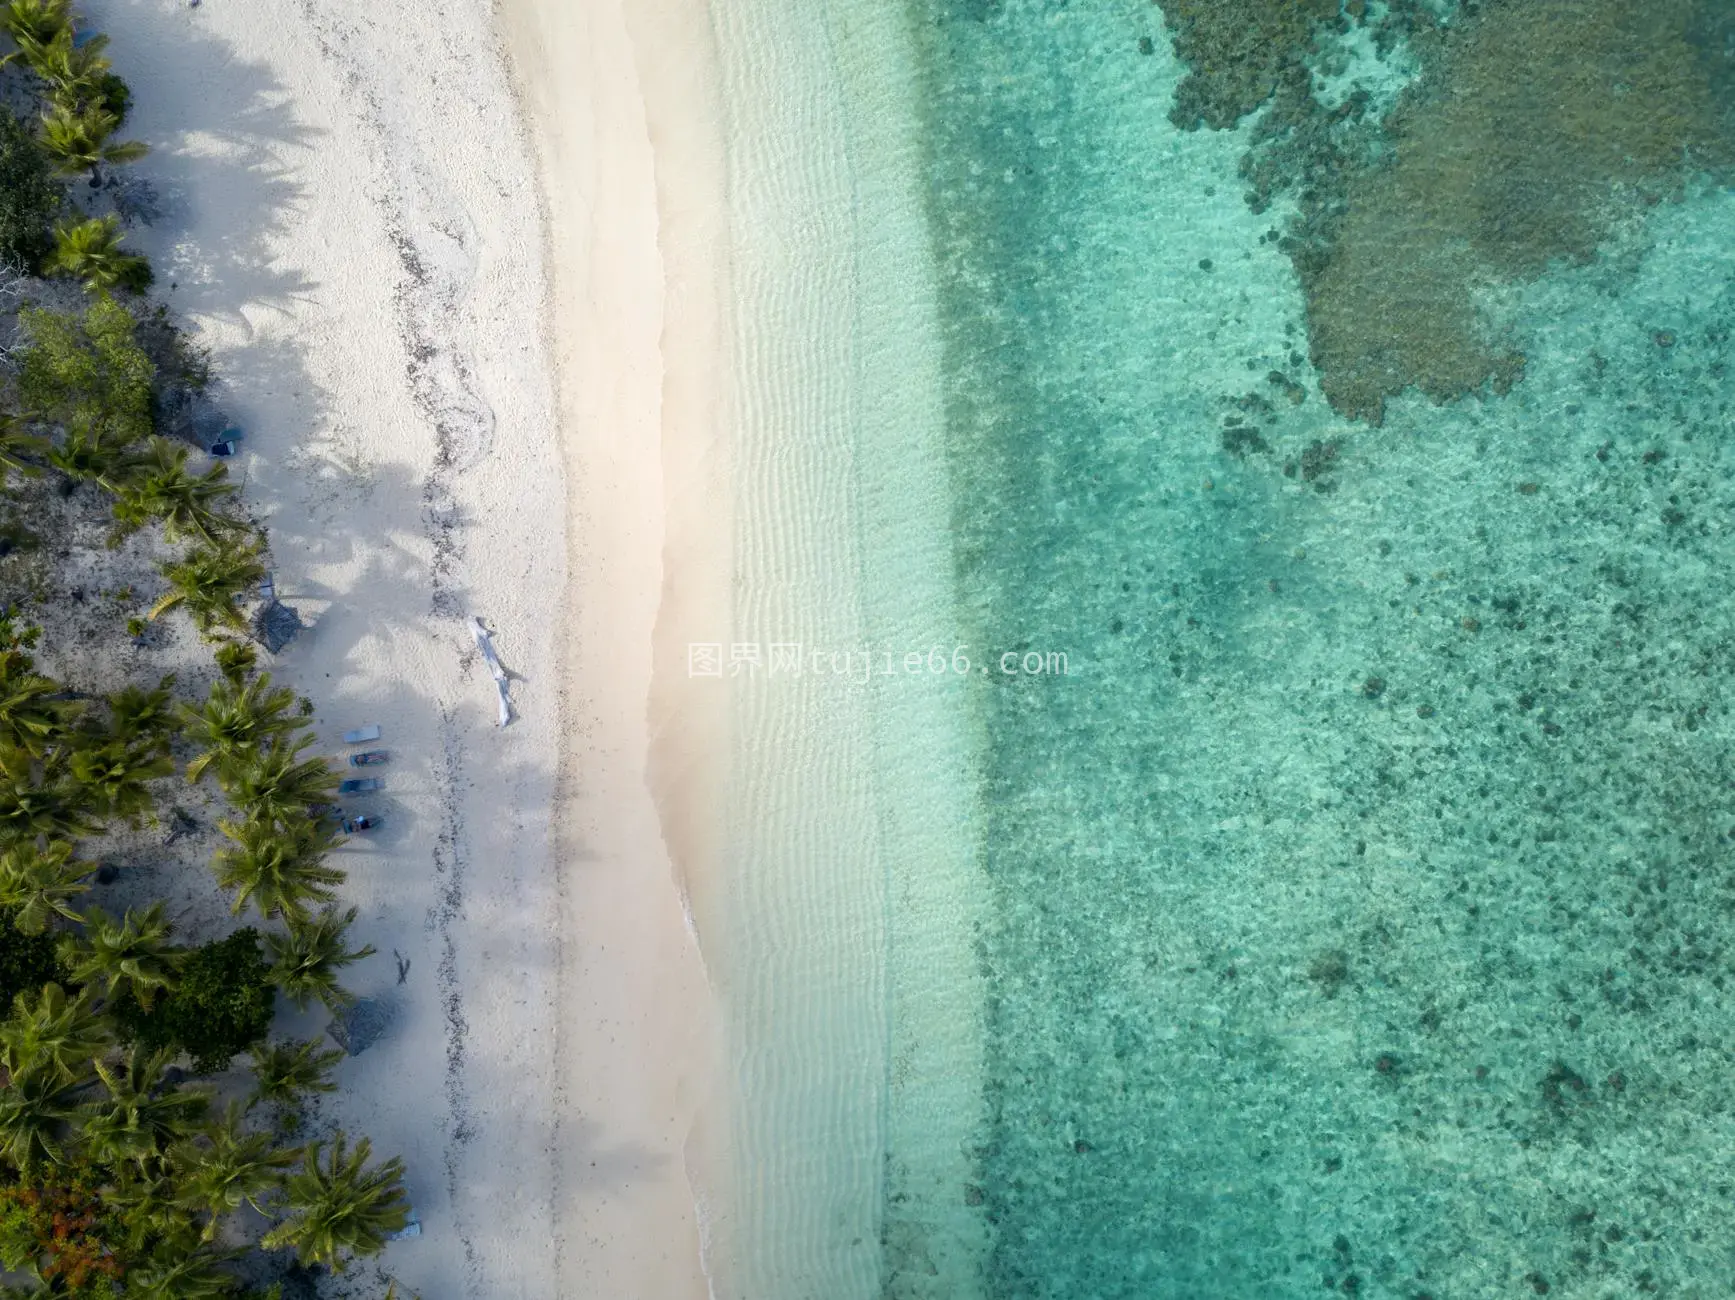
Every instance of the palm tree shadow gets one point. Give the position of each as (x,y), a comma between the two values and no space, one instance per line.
(224,141)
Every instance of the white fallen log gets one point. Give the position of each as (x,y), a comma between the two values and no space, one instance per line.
(485,643)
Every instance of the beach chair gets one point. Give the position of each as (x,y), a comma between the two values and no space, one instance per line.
(367,759)
(225,444)
(361,735)
(360,785)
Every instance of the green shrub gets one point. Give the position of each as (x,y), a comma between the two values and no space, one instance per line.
(30,196)
(116,97)
(221,1007)
(88,370)
(27,961)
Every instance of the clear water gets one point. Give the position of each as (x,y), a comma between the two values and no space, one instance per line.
(849,981)
(1357,909)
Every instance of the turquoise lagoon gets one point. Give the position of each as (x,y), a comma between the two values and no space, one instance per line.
(1355,913)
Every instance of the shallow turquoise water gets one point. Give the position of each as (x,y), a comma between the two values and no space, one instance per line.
(1360,903)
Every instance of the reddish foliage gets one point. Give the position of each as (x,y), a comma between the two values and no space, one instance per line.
(71,1227)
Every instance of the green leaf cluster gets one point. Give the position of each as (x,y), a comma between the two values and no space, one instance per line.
(88,372)
(86,376)
(27,961)
(82,104)
(220,1006)
(31,196)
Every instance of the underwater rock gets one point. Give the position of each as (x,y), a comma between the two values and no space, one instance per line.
(1534,132)
(1236,51)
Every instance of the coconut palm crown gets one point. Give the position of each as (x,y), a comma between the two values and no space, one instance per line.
(51,1033)
(40,882)
(33,708)
(276,784)
(305,963)
(78,139)
(284,1072)
(237,718)
(278,865)
(209,580)
(35,1107)
(139,1119)
(130,955)
(91,253)
(157,486)
(35,22)
(227,1167)
(39,797)
(338,1207)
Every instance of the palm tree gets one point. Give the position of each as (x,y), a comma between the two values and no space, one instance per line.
(208,581)
(237,718)
(275,784)
(235,659)
(40,798)
(229,1168)
(147,1209)
(341,1206)
(32,1109)
(133,954)
(139,1119)
(87,454)
(141,713)
(90,252)
(116,775)
(51,1034)
(283,1072)
(278,866)
(76,71)
(172,1273)
(78,139)
(35,22)
(41,882)
(157,486)
(17,442)
(32,709)
(306,961)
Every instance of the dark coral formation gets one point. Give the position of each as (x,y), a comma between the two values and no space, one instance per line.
(1534,131)
(1237,53)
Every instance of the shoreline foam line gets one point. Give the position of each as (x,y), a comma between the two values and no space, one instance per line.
(846,964)
(799,953)
(932,1242)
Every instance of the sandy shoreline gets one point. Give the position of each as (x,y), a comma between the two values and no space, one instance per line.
(630,162)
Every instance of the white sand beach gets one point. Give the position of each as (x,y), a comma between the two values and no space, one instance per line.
(452,382)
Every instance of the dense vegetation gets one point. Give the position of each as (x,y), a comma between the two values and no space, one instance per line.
(125,1170)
